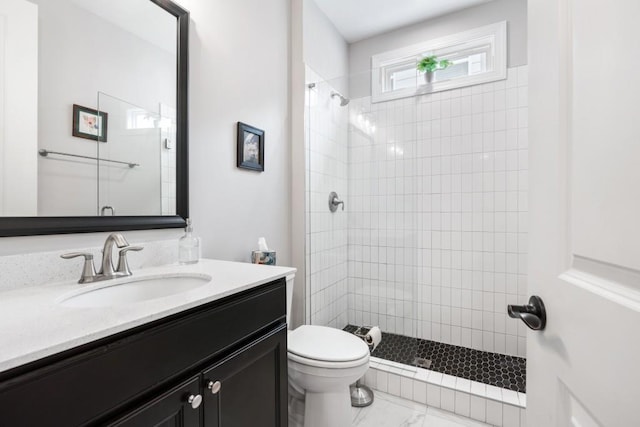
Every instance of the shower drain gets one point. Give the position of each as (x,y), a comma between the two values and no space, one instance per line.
(421,362)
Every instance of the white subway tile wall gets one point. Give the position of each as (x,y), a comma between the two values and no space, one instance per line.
(437,202)
(326,140)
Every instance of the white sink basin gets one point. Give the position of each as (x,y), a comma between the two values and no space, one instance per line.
(133,290)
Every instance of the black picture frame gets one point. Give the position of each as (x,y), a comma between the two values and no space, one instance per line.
(249,140)
(32,226)
(85,118)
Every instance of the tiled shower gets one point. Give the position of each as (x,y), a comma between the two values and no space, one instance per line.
(438,214)
(432,242)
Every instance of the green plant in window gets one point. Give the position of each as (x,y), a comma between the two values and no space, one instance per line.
(429,64)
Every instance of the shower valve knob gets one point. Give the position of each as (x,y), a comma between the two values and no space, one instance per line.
(334,202)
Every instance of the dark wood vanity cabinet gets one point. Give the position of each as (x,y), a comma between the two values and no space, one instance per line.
(222,364)
(170,409)
(251,390)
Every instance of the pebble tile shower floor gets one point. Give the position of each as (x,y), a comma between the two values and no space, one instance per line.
(489,368)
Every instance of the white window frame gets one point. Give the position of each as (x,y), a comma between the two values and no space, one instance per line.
(495,33)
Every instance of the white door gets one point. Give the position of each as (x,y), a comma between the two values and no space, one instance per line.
(18,108)
(584,103)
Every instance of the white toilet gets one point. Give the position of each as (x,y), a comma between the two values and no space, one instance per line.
(323,362)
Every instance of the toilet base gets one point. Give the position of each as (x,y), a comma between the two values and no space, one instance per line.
(361,395)
(327,409)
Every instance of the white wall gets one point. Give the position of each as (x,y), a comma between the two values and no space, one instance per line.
(239,71)
(325,51)
(19,89)
(239,54)
(513,11)
(297,88)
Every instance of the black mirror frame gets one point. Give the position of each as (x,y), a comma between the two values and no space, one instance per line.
(30,226)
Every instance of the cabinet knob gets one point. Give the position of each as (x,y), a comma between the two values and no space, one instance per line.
(195,401)
(214,387)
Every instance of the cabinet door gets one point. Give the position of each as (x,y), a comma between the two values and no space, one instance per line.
(249,388)
(171,409)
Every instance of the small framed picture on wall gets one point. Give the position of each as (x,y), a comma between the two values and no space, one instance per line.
(250,147)
(89,123)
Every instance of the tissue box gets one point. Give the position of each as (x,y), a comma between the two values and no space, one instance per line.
(263,257)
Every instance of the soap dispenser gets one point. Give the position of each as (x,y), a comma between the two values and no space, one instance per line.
(189,246)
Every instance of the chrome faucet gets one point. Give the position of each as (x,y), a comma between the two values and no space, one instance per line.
(107,271)
(107,253)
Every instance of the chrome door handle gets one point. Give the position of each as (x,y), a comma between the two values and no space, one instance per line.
(533,314)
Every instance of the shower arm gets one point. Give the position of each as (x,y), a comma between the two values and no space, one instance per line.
(343,100)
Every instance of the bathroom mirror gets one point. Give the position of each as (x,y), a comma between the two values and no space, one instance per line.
(94,113)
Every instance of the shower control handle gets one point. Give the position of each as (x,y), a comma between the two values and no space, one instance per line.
(334,202)
(533,314)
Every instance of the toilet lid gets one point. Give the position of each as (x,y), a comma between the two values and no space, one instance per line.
(326,344)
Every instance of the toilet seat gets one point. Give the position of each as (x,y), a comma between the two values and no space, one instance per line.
(325,347)
(313,363)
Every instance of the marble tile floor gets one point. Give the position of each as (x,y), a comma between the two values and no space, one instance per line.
(392,411)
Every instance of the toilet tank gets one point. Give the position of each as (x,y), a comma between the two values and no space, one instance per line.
(290,280)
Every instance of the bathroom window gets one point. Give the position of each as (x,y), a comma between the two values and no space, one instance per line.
(476,56)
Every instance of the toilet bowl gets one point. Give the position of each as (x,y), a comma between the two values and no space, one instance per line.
(322,363)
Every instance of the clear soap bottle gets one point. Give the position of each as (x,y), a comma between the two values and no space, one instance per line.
(189,246)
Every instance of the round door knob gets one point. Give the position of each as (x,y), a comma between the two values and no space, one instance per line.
(195,401)
(214,387)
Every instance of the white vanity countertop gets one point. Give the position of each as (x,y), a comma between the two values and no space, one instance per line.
(33,325)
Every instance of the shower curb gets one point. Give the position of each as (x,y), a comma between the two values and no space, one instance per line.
(478,401)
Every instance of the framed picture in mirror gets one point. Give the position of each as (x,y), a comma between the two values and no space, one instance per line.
(250,147)
(89,123)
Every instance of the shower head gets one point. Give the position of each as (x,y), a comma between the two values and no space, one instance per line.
(343,101)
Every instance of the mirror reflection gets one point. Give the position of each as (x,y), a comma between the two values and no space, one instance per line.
(89,111)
